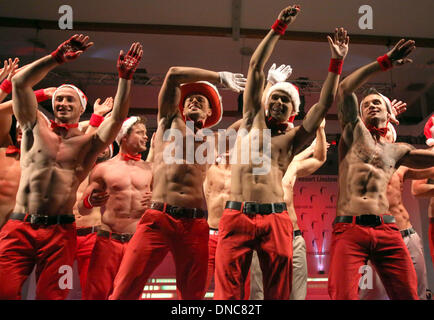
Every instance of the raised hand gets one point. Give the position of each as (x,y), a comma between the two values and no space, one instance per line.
(280,74)
(289,14)
(339,43)
(102,108)
(71,49)
(9,67)
(49,92)
(127,63)
(398,107)
(234,81)
(398,54)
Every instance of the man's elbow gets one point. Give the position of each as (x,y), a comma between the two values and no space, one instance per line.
(343,89)
(175,75)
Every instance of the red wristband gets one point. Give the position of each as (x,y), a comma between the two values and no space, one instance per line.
(279,27)
(336,65)
(95,120)
(86,203)
(385,62)
(6,86)
(40,95)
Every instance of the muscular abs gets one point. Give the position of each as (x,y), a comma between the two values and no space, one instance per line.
(364,173)
(52,169)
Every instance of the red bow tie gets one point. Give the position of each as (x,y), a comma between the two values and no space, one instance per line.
(380,131)
(127,156)
(276,126)
(12,150)
(66,126)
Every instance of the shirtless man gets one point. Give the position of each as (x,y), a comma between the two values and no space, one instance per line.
(87,225)
(402,217)
(363,230)
(10,170)
(176,220)
(257,218)
(425,188)
(121,187)
(303,164)
(54,161)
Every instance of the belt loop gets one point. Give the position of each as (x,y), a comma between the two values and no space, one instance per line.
(381,218)
(25,217)
(242,207)
(354,220)
(164,207)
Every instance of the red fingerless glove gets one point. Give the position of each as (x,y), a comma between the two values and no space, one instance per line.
(127,66)
(67,50)
(279,27)
(96,120)
(336,65)
(40,95)
(87,203)
(385,62)
(6,86)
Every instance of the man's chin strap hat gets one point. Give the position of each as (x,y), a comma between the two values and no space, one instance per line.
(211,93)
(128,123)
(429,131)
(290,90)
(81,95)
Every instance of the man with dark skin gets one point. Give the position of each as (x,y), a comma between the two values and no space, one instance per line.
(363,230)
(256,218)
(176,220)
(54,160)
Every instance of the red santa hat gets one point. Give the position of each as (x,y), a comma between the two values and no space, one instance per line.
(428,130)
(290,90)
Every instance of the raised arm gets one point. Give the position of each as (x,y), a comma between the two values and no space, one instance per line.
(107,131)
(8,71)
(255,78)
(339,50)
(417,159)
(308,166)
(347,101)
(423,188)
(25,104)
(99,111)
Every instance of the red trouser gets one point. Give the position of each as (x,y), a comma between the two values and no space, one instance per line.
(212,247)
(85,246)
(431,238)
(104,265)
(353,245)
(51,248)
(156,234)
(239,234)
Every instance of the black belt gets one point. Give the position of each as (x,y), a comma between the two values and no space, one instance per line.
(122,237)
(87,230)
(370,220)
(407,232)
(297,233)
(179,212)
(255,207)
(43,220)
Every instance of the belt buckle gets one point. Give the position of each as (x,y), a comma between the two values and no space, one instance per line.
(124,237)
(35,219)
(176,212)
(369,220)
(248,205)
